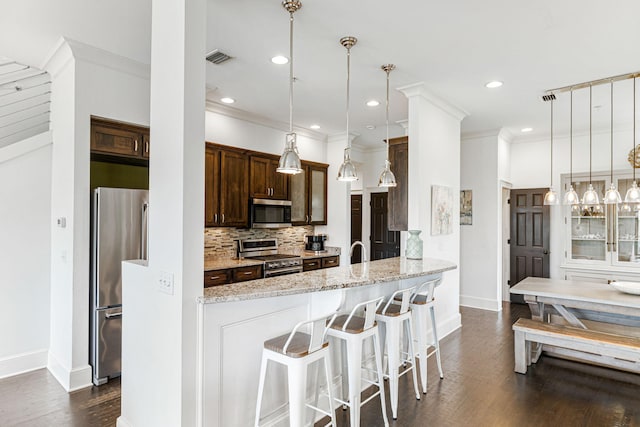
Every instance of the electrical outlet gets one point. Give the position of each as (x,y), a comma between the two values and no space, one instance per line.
(165,282)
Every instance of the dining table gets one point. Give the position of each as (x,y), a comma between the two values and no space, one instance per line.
(594,306)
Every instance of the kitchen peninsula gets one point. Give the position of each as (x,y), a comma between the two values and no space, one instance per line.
(236,319)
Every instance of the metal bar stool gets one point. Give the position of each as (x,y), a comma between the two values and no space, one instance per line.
(297,350)
(394,316)
(422,306)
(354,330)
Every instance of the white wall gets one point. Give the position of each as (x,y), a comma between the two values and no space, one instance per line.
(530,169)
(25,171)
(86,81)
(434,144)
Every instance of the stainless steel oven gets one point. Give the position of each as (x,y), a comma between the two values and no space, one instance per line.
(275,264)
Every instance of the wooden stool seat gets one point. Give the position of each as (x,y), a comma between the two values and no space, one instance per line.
(419,299)
(393,310)
(355,325)
(298,347)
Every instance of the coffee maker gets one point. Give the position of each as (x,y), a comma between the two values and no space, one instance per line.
(315,242)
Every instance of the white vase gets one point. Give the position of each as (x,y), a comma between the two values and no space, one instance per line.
(414,245)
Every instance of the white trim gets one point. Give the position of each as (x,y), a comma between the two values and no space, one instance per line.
(122,422)
(481,303)
(67,49)
(25,146)
(70,380)
(419,89)
(24,362)
(449,325)
(225,110)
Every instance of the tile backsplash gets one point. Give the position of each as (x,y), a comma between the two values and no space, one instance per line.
(219,241)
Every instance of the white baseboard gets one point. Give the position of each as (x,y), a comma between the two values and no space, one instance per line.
(21,363)
(122,422)
(70,380)
(449,325)
(481,303)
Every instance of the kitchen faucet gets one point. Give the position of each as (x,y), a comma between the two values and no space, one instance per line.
(364,250)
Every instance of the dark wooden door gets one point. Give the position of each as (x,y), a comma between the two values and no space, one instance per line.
(260,187)
(529,240)
(398,196)
(234,189)
(356,226)
(384,243)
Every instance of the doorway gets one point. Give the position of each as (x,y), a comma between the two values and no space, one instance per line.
(384,243)
(356,227)
(529,243)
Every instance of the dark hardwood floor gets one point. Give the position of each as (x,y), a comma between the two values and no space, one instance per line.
(479,389)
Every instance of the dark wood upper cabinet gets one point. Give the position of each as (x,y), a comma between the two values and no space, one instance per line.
(119,140)
(226,187)
(266,183)
(398,199)
(308,191)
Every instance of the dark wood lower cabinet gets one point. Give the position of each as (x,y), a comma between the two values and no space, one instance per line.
(330,261)
(232,275)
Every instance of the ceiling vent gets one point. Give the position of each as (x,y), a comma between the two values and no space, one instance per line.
(550,97)
(217,57)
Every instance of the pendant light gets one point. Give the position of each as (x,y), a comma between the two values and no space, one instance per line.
(290,160)
(590,197)
(612,196)
(387,178)
(347,171)
(551,198)
(571,197)
(633,193)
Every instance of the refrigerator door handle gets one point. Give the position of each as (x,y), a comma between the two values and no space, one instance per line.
(144,235)
(113,315)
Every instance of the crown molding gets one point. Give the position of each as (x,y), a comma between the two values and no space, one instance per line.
(419,89)
(403,123)
(342,137)
(225,110)
(67,49)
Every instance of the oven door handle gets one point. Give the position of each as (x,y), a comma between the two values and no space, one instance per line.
(280,272)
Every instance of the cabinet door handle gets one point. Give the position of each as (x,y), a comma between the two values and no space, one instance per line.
(135,145)
(247,273)
(146,146)
(223,218)
(215,217)
(214,277)
(311,264)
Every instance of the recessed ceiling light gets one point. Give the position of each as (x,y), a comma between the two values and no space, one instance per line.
(526,129)
(373,103)
(370,127)
(493,84)
(228,100)
(315,127)
(280,60)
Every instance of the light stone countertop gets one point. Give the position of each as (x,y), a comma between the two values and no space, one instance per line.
(224,262)
(346,276)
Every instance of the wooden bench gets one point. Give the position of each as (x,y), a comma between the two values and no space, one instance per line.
(620,348)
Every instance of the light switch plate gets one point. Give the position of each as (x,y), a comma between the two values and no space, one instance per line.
(165,282)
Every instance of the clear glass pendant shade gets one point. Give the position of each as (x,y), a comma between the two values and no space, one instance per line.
(590,197)
(633,194)
(612,196)
(387,178)
(347,171)
(571,197)
(290,160)
(551,197)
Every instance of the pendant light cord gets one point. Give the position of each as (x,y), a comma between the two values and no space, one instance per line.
(590,114)
(611,155)
(290,72)
(348,82)
(387,116)
(551,164)
(571,139)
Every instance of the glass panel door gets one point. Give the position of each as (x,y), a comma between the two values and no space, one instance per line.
(589,226)
(628,221)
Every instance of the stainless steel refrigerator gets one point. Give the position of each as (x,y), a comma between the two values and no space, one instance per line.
(118,233)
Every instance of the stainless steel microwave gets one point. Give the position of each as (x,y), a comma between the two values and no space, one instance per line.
(267,213)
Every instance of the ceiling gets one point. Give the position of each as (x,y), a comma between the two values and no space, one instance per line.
(453,47)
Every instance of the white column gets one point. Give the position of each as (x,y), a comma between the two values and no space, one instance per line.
(434,159)
(160,329)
